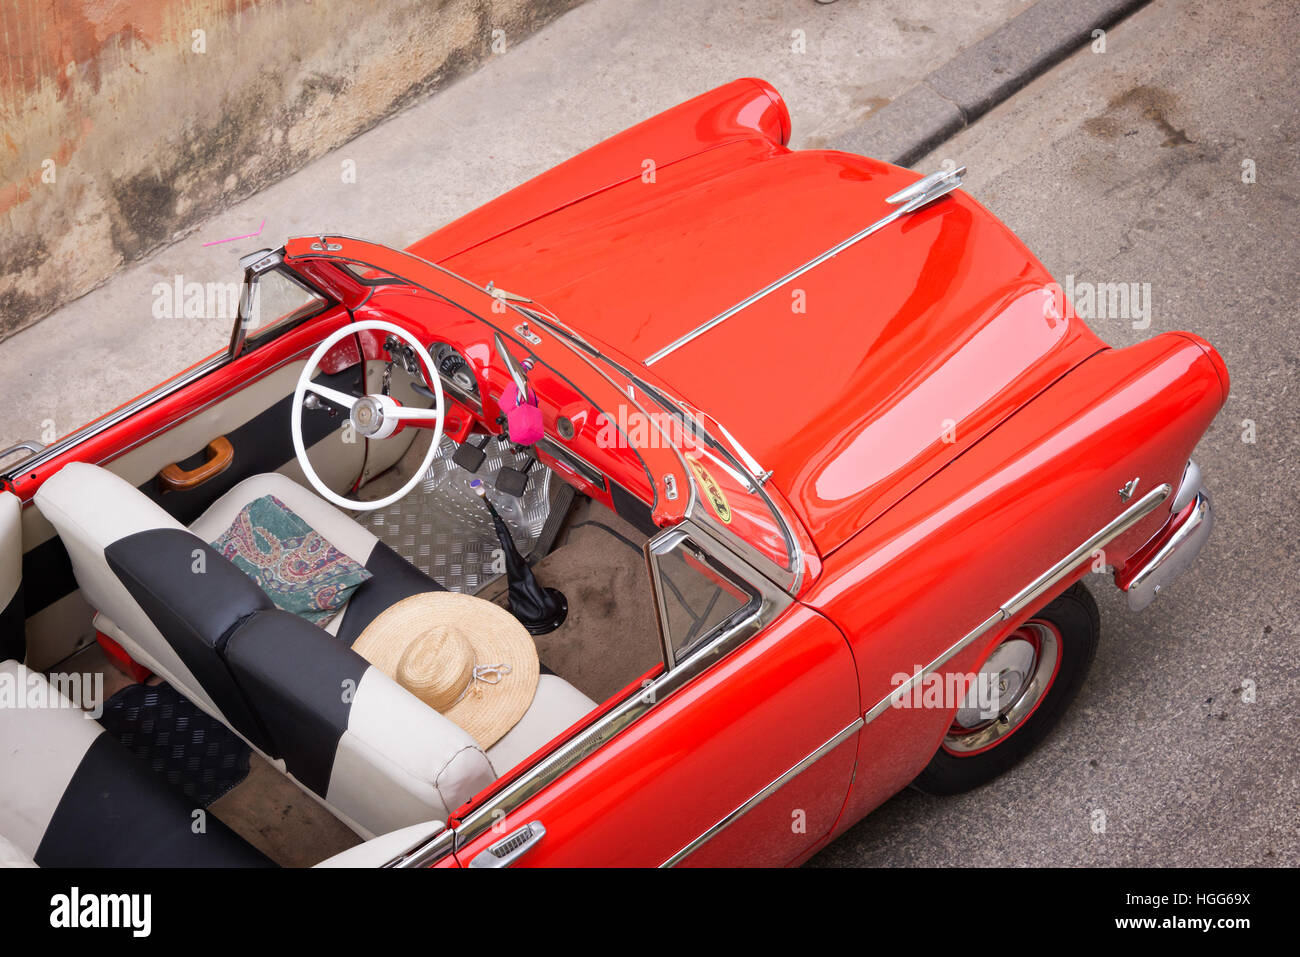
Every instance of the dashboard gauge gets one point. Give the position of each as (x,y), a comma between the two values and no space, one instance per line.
(453,368)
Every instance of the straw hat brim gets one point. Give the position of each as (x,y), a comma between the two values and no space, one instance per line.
(487,711)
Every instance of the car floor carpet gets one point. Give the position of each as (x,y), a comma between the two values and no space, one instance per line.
(610,637)
(282,820)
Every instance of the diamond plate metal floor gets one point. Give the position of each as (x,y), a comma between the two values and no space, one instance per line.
(443,529)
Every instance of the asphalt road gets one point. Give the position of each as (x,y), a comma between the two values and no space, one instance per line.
(1126,166)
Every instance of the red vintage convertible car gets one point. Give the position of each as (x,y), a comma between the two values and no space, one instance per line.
(806,458)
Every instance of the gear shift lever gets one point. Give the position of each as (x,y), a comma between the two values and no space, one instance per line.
(540,610)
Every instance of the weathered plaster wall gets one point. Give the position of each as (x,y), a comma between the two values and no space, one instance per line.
(121,127)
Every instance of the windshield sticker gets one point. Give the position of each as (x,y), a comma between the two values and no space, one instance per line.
(712,492)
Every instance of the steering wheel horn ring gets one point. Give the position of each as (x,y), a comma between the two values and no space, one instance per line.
(372,416)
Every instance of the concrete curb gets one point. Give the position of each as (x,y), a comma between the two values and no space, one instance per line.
(981,77)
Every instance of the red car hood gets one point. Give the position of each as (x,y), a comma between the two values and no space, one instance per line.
(853,383)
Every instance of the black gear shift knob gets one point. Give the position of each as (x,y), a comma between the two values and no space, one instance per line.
(540,610)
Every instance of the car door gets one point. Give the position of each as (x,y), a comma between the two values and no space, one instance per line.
(740,752)
(197,435)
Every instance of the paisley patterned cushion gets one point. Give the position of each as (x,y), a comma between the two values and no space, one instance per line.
(297,568)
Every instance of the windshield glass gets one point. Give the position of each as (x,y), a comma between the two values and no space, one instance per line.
(280,300)
(728,484)
(698,596)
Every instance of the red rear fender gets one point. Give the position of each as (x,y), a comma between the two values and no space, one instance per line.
(746,109)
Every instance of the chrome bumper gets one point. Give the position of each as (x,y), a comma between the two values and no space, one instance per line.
(1180,550)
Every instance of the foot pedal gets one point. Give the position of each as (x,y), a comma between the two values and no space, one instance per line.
(469,456)
(511,481)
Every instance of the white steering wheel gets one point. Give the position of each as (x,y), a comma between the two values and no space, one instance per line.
(373,416)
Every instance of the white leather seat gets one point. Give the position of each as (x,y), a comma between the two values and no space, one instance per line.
(386,760)
(11,856)
(348,536)
(376,755)
(556,705)
(90,508)
(394,577)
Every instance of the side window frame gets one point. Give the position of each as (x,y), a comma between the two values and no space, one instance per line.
(747,619)
(255,266)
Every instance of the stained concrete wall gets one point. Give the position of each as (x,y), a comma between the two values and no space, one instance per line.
(124,123)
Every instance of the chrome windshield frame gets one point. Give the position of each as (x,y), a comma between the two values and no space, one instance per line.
(789,578)
(530,310)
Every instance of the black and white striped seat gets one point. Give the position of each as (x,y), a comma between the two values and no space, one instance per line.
(377,756)
(73,796)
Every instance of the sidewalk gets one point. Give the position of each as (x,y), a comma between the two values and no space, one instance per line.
(594,71)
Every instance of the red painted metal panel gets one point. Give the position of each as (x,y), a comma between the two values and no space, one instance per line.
(743,111)
(933,568)
(702,753)
(779,831)
(912,344)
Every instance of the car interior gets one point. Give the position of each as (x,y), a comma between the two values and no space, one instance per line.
(221,734)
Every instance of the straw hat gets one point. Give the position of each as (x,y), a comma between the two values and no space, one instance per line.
(465,657)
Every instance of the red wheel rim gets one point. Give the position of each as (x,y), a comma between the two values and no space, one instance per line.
(1002,699)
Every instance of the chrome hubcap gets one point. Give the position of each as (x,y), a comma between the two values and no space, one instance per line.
(367,415)
(1007,688)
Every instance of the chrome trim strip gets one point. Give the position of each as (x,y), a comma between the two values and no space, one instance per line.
(570,753)
(30,446)
(899,693)
(1175,555)
(765,793)
(921,193)
(1111,531)
(1028,595)
(426,852)
(574,461)
(113,418)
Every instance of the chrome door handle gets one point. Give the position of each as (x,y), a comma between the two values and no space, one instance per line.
(510,848)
